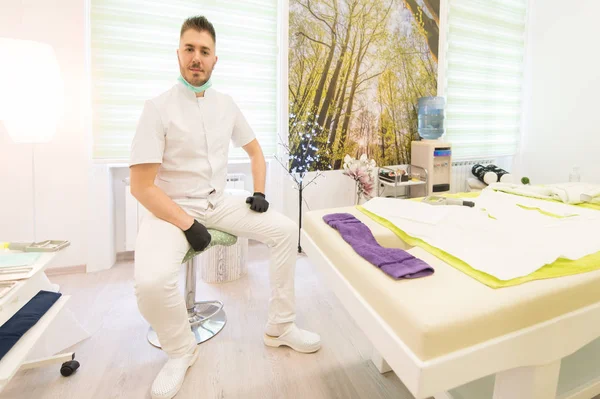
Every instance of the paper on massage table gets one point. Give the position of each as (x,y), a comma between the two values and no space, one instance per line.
(497,232)
(449,310)
(571,230)
(505,202)
(568,193)
(559,268)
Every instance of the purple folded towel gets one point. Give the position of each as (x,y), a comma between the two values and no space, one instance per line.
(393,261)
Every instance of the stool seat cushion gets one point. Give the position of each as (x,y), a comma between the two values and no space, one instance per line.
(217,238)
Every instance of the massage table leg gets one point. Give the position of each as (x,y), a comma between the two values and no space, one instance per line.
(535,382)
(380,362)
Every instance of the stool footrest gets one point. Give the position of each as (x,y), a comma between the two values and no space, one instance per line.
(203,310)
(203,328)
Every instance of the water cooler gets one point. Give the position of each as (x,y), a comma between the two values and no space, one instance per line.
(430,153)
(436,158)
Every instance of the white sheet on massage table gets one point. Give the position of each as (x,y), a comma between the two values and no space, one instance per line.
(449,310)
(470,234)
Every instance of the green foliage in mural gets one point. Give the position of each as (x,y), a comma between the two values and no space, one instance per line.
(356,71)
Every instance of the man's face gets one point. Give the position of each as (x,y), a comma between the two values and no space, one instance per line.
(196,55)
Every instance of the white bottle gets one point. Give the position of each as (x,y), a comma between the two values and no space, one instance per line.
(574,176)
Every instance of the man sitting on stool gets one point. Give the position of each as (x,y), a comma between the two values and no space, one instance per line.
(178,172)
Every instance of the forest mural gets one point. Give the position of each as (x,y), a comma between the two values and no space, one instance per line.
(356,71)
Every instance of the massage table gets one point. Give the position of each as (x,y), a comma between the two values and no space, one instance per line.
(448,335)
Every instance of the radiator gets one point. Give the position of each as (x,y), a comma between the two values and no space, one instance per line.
(461,171)
(134,211)
(236,181)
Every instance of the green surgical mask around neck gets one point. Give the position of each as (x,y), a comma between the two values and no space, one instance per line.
(196,89)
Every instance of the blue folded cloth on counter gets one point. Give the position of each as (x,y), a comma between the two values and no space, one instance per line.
(24,319)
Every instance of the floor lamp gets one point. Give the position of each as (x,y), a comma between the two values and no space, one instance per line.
(31,96)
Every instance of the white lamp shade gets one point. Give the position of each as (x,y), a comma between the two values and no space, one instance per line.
(31,90)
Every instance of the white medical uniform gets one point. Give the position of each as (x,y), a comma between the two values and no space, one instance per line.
(189,137)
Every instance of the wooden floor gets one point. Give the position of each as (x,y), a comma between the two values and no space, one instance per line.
(117,361)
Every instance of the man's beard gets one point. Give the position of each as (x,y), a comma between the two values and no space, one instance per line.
(189,75)
(198,81)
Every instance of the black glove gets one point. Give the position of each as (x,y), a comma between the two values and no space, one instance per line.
(258,203)
(198,236)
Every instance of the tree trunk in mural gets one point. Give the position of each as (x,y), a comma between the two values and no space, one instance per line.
(336,73)
(305,147)
(382,136)
(348,111)
(332,47)
(429,25)
(434,8)
(363,48)
(340,103)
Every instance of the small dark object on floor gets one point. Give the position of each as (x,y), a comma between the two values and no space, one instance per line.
(69,368)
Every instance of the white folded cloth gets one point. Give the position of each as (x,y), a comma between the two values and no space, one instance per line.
(592,195)
(475,184)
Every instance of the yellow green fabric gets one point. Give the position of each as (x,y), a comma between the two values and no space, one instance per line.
(560,268)
(590,206)
(543,212)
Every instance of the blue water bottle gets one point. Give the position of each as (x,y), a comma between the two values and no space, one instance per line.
(431,117)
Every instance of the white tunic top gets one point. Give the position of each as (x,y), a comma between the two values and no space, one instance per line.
(190,138)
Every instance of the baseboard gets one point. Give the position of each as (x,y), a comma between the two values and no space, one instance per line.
(57,271)
(126,256)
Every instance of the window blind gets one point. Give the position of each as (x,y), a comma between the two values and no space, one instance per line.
(485,51)
(133,58)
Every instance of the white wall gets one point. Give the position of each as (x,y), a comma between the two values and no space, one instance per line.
(62,166)
(562,118)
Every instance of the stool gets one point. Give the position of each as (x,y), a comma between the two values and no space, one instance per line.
(206,318)
(223,264)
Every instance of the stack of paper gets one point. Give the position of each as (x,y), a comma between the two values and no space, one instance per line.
(6,286)
(16,265)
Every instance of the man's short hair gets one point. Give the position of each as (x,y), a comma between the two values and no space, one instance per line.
(199,23)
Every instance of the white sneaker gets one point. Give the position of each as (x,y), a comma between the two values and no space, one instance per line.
(299,340)
(170,378)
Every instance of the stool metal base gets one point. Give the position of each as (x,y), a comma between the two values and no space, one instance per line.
(206,321)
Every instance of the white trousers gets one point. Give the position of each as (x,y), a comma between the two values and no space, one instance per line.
(161,246)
